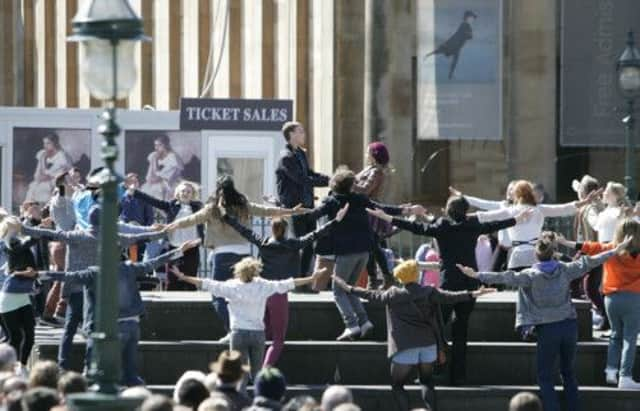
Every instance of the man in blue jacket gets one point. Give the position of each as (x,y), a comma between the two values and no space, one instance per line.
(295,181)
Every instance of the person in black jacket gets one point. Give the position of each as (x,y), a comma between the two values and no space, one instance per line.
(280,257)
(350,242)
(457,236)
(295,181)
(415,336)
(183,205)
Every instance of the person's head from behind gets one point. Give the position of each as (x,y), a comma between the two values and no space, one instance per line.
(185,192)
(215,403)
(8,358)
(136,392)
(40,399)
(279,228)
(615,194)
(334,396)
(347,407)
(406,272)
(585,186)
(71,383)
(157,403)
(342,180)
(14,383)
(247,269)
(229,368)
(44,374)
(457,208)
(545,249)
(538,192)
(523,193)
(628,228)
(190,390)
(270,384)
(378,154)
(293,133)
(226,194)
(525,401)
(301,403)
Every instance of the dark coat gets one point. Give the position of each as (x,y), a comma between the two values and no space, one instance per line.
(456,41)
(295,179)
(171,208)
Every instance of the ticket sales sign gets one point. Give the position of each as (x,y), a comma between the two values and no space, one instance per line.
(234,114)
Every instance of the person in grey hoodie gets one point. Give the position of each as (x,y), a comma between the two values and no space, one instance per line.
(545,301)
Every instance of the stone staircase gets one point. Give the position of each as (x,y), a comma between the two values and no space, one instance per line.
(180,330)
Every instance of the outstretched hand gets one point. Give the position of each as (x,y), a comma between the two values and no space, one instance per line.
(316,274)
(342,212)
(376,212)
(179,274)
(482,291)
(454,192)
(187,245)
(468,271)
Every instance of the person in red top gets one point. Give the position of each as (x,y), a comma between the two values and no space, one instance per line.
(621,288)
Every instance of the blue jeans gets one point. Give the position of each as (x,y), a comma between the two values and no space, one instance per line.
(623,309)
(559,339)
(72,319)
(348,267)
(129,333)
(223,271)
(249,343)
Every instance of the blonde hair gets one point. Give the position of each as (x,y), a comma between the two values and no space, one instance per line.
(194,187)
(620,191)
(7,224)
(247,269)
(523,193)
(628,227)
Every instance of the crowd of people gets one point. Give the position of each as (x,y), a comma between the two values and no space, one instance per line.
(50,255)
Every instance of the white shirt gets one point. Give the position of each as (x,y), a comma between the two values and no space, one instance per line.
(247,301)
(524,234)
(605,223)
(179,236)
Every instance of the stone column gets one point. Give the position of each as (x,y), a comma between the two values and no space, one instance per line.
(388,115)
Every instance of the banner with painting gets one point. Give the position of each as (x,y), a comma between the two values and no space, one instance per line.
(162,159)
(459,69)
(42,154)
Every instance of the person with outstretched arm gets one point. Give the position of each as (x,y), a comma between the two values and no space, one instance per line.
(130,302)
(247,295)
(546,304)
(280,256)
(457,236)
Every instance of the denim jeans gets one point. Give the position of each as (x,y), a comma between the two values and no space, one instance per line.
(348,267)
(129,333)
(72,319)
(623,309)
(249,343)
(223,271)
(559,339)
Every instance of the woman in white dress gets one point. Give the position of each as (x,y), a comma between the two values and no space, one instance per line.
(52,161)
(165,170)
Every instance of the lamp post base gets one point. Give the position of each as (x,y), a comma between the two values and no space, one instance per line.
(93,401)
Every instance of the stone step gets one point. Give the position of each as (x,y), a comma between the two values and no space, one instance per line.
(162,362)
(181,315)
(490,398)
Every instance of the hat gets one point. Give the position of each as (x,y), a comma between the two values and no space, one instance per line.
(379,152)
(229,365)
(406,272)
(469,13)
(270,383)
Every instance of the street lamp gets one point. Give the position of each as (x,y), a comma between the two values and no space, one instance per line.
(628,68)
(107,31)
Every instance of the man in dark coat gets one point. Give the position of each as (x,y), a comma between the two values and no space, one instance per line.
(295,181)
(453,46)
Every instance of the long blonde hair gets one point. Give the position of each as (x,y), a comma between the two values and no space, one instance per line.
(247,269)
(628,227)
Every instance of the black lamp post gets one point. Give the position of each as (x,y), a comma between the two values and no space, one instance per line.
(628,68)
(108,31)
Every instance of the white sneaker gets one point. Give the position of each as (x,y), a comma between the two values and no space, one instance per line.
(226,339)
(365,329)
(627,383)
(611,376)
(349,334)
